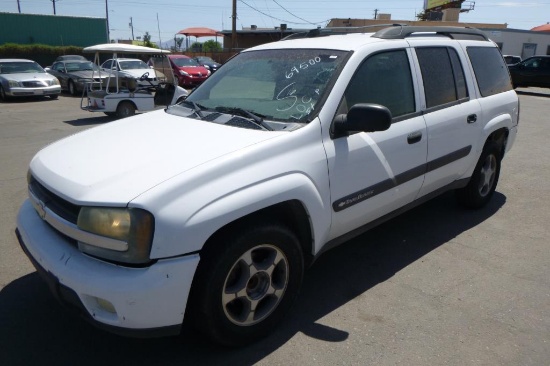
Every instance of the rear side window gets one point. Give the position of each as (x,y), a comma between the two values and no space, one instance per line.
(442,75)
(490,70)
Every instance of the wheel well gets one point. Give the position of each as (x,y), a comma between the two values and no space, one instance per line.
(292,214)
(499,136)
(127,101)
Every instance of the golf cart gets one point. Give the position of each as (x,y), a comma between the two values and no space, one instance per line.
(122,96)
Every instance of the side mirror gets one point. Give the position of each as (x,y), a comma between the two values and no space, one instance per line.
(362,117)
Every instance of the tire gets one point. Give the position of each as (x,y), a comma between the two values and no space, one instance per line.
(484,180)
(235,306)
(72,88)
(125,109)
(3,95)
(54,96)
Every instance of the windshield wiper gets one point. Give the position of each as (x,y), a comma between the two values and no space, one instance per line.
(196,108)
(256,118)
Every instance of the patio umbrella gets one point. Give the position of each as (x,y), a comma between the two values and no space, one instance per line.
(199,32)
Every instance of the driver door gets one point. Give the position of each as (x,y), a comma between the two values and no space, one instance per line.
(373,174)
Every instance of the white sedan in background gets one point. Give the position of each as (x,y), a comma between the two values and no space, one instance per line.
(130,67)
(25,78)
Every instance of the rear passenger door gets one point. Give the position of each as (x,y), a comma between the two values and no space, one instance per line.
(452,116)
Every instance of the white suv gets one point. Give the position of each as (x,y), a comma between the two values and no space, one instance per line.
(211,209)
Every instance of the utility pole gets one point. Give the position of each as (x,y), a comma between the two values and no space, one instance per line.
(375,13)
(19,6)
(132,27)
(53,1)
(107,18)
(234,25)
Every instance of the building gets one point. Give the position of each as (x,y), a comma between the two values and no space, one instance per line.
(52,30)
(524,43)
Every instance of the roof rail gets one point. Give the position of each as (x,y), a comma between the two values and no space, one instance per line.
(404,31)
(323,32)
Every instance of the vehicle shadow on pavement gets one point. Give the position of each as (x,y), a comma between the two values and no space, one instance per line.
(532,93)
(36,330)
(90,121)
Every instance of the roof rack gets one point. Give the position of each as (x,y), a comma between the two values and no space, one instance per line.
(404,31)
(323,32)
(395,31)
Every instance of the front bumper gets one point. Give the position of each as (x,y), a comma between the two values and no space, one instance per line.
(27,92)
(147,301)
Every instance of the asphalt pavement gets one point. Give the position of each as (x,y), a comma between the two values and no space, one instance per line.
(439,285)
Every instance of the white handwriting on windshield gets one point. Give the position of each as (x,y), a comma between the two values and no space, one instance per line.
(302,66)
(302,105)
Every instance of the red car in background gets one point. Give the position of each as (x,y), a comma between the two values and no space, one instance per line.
(188,71)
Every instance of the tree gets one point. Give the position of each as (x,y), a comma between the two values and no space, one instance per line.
(179,41)
(211,46)
(147,40)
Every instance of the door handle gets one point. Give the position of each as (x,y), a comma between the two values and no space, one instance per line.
(472,118)
(414,137)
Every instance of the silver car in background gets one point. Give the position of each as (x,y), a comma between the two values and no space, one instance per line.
(76,75)
(26,78)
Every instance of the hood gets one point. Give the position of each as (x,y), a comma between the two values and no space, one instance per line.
(89,74)
(25,76)
(194,69)
(115,163)
(137,73)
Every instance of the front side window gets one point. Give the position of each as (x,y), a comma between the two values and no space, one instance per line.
(385,79)
(442,75)
(284,85)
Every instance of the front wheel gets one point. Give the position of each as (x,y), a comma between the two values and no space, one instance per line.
(72,88)
(245,283)
(484,180)
(125,109)
(3,95)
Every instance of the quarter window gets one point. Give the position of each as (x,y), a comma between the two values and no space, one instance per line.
(491,72)
(442,75)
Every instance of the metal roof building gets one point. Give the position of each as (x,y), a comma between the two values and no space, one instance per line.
(53,30)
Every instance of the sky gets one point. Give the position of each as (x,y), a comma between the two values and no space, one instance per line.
(162,19)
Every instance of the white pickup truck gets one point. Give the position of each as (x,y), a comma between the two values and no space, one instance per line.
(213,208)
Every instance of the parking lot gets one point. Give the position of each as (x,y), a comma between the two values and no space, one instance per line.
(437,285)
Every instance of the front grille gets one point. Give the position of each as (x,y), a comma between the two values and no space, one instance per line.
(34,84)
(58,205)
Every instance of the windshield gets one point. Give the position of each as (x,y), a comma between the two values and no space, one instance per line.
(205,59)
(20,67)
(81,66)
(132,65)
(285,85)
(183,61)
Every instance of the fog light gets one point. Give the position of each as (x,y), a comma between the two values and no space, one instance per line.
(106,305)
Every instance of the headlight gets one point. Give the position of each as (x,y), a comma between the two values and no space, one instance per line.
(13,84)
(54,82)
(206,67)
(183,73)
(131,226)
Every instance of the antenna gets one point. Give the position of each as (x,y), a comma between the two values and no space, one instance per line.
(158,27)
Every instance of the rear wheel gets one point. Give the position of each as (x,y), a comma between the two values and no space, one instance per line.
(125,109)
(245,283)
(484,180)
